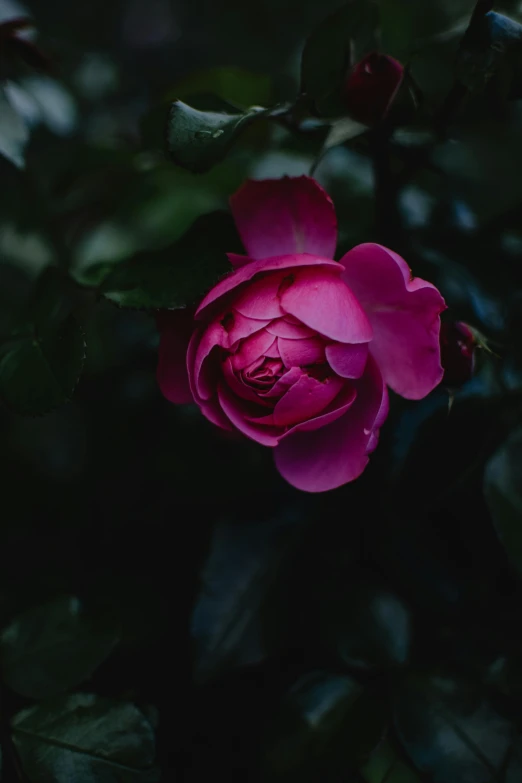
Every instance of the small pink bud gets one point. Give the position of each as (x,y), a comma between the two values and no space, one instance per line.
(371,87)
(457,347)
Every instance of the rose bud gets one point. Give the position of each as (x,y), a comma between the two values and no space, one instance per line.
(296,350)
(457,348)
(371,87)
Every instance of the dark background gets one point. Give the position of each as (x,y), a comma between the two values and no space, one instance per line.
(227,624)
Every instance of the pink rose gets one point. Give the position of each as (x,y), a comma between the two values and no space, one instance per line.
(296,350)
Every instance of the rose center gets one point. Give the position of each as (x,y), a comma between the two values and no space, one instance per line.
(263,373)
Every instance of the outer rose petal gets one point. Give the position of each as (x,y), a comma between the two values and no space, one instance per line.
(201,345)
(288,215)
(348,361)
(324,303)
(404,314)
(176,327)
(237,411)
(217,298)
(337,453)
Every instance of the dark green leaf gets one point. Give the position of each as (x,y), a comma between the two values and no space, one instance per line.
(42,358)
(452,734)
(85,739)
(197,140)
(385,766)
(492,49)
(243,562)
(175,276)
(327,724)
(503,492)
(54,647)
(349,615)
(236,86)
(328,51)
(39,370)
(14,133)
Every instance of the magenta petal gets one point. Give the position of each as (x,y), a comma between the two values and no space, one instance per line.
(238,387)
(404,314)
(176,329)
(281,386)
(288,215)
(348,361)
(283,328)
(240,327)
(324,303)
(237,410)
(212,411)
(260,299)
(306,399)
(338,452)
(237,260)
(334,411)
(247,272)
(202,384)
(300,353)
(251,349)
(273,351)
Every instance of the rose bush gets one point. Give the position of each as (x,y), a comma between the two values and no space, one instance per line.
(296,350)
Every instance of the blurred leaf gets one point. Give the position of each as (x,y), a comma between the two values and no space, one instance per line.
(242,564)
(385,766)
(492,48)
(198,140)
(350,615)
(340,40)
(326,726)
(53,647)
(176,276)
(343,130)
(503,492)
(85,739)
(14,133)
(236,86)
(450,732)
(42,358)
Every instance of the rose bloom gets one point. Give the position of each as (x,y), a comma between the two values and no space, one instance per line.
(296,350)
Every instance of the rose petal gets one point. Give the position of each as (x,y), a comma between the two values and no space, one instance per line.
(237,261)
(273,351)
(284,383)
(202,384)
(251,349)
(213,412)
(338,452)
(288,215)
(238,387)
(305,399)
(348,361)
(299,353)
(176,329)
(324,303)
(260,299)
(335,410)
(282,328)
(239,326)
(237,411)
(217,297)
(404,314)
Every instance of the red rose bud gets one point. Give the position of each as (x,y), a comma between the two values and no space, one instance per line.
(371,87)
(457,353)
